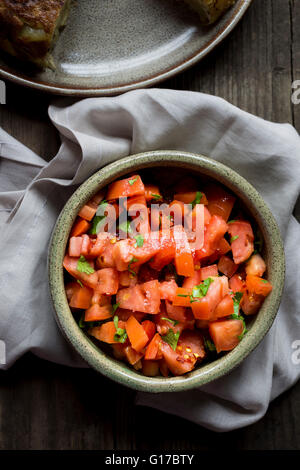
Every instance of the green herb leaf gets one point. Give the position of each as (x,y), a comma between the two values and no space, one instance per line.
(115,307)
(133,260)
(139,241)
(125,227)
(101,208)
(236,302)
(97,223)
(156,196)
(209,345)
(173,322)
(83,266)
(236,316)
(265,281)
(201,290)
(231,221)
(131,182)
(81,322)
(232,239)
(120,334)
(99,218)
(172,338)
(197,199)
(80,283)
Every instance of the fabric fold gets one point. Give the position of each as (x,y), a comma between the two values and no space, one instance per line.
(97,131)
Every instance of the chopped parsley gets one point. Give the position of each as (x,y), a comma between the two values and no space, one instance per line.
(172,338)
(114,308)
(81,322)
(201,290)
(197,199)
(80,283)
(155,196)
(209,345)
(173,322)
(133,260)
(236,302)
(120,334)
(125,227)
(139,241)
(99,218)
(232,239)
(232,221)
(103,204)
(131,182)
(236,316)
(83,266)
(265,281)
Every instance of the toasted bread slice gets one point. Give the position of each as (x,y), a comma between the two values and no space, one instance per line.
(29,28)
(210,10)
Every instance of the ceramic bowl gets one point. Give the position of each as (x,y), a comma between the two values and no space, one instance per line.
(165,163)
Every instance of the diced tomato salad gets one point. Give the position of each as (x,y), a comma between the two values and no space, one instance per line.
(163,304)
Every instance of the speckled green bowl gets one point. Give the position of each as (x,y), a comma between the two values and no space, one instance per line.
(259,325)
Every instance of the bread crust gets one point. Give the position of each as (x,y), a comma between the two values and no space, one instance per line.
(210,10)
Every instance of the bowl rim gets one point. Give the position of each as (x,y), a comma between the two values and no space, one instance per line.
(115,369)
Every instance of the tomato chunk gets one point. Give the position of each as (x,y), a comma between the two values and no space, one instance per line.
(150,328)
(108,281)
(81,226)
(190,349)
(227,266)
(251,303)
(125,252)
(142,298)
(256,266)
(225,334)
(136,334)
(209,271)
(224,308)
(75,244)
(81,297)
(183,256)
(150,368)
(220,202)
(88,211)
(133,357)
(152,350)
(213,233)
(242,239)
(128,187)
(106,332)
(203,308)
(258,285)
(97,313)
(152,192)
(168,290)
(236,284)
(70,264)
(165,254)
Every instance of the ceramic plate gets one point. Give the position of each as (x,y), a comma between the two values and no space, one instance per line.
(112,46)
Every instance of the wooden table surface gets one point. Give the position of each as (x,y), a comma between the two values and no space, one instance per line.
(46,406)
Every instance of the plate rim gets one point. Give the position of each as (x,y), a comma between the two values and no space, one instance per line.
(142,83)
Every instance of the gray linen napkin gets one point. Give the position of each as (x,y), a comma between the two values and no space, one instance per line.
(97,131)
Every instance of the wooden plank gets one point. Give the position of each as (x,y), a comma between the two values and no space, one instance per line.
(295,46)
(25,117)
